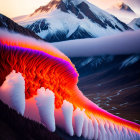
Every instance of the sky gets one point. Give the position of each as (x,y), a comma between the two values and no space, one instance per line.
(14,8)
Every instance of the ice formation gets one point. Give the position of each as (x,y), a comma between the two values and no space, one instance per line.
(45,104)
(50,94)
(67,109)
(85,127)
(78,120)
(12,92)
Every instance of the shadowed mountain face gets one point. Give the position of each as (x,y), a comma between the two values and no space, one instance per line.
(7,23)
(123,6)
(69,6)
(69,19)
(79,9)
(112,82)
(14,127)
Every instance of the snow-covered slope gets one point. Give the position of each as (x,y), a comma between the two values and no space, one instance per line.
(71,19)
(121,6)
(122,11)
(135,24)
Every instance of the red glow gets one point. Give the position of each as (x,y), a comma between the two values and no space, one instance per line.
(39,69)
(50,69)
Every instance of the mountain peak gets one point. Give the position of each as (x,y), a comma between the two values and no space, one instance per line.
(63,5)
(75,2)
(52,4)
(122,6)
(61,20)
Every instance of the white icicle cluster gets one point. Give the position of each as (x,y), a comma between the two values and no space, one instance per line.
(12,92)
(45,104)
(73,122)
(67,109)
(78,123)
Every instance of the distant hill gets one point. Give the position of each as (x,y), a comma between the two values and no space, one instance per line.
(7,23)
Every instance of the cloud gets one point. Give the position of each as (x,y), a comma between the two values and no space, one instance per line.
(123,43)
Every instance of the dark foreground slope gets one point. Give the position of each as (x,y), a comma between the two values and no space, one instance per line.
(7,23)
(15,127)
(112,82)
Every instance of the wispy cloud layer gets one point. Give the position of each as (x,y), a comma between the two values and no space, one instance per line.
(123,43)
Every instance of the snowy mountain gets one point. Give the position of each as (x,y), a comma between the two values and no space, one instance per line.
(135,24)
(122,11)
(121,6)
(7,23)
(71,19)
(89,65)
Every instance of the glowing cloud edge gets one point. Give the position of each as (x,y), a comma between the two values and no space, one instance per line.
(9,40)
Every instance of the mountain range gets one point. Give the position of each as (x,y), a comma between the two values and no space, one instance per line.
(61,20)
